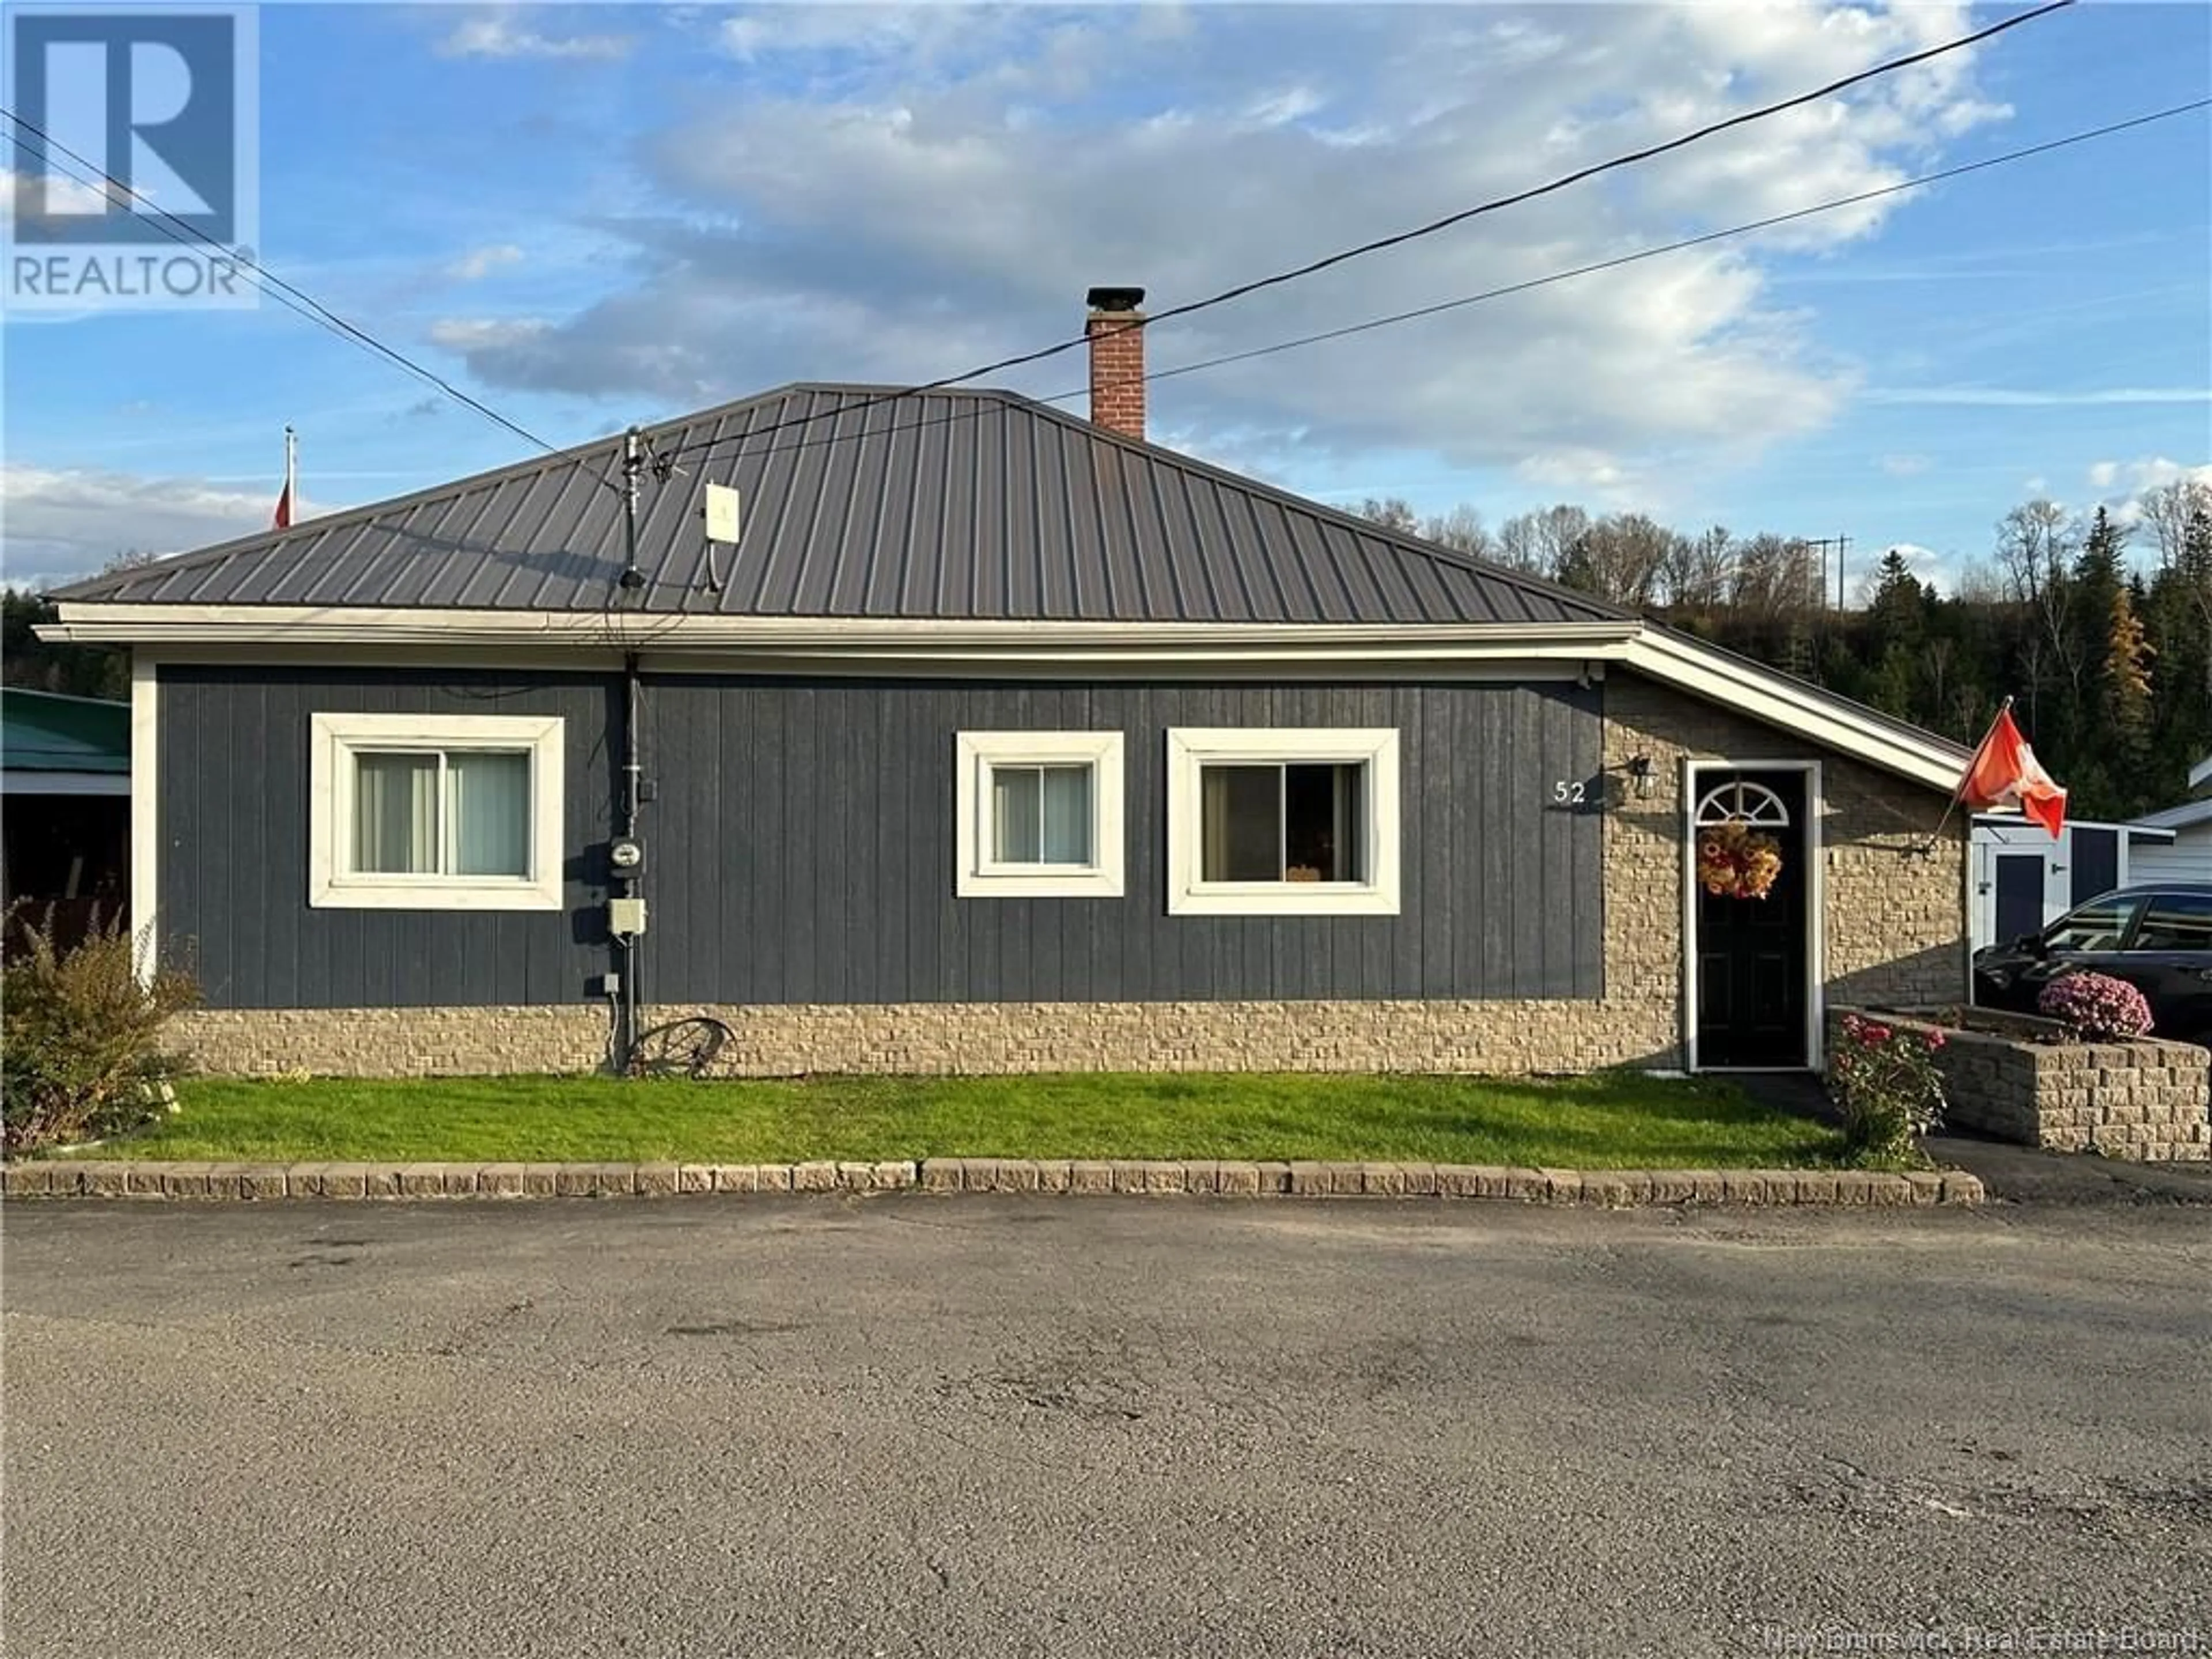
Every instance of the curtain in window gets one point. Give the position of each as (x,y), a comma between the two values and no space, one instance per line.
(1015,814)
(395,809)
(1066,836)
(487,813)
(1041,815)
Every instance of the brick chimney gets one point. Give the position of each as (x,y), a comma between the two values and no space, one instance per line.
(1116,332)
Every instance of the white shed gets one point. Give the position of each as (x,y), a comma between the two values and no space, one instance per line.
(2023,880)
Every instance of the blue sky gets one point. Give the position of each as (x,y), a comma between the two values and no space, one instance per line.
(591,215)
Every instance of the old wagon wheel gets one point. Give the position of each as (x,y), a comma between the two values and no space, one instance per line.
(682,1048)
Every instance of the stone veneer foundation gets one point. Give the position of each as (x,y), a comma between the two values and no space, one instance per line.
(1893,921)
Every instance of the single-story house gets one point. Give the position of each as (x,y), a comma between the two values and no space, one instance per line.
(997,740)
(64,809)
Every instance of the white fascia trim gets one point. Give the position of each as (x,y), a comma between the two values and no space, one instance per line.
(1191,748)
(145,804)
(26,780)
(1764,695)
(90,622)
(974,876)
(331,739)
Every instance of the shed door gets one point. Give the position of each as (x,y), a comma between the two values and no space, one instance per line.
(2020,895)
(2095,856)
(1752,954)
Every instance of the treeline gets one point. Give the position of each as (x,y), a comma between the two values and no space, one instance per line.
(77,671)
(2100,633)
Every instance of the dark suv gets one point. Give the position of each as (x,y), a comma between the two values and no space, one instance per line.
(2159,939)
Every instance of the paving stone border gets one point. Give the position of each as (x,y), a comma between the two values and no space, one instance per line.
(1207,1178)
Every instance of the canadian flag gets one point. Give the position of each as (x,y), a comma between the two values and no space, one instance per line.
(2004,772)
(285,501)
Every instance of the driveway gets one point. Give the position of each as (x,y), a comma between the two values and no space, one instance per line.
(1098,1427)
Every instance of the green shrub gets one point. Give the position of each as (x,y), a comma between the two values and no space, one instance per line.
(80,1055)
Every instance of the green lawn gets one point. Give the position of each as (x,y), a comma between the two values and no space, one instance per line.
(1612,1119)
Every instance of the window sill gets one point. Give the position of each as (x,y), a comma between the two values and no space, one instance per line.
(1040,884)
(1287,898)
(354,894)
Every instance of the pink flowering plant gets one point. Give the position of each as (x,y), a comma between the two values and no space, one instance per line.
(2095,1007)
(1885,1083)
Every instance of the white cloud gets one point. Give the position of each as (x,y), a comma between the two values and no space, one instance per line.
(63,523)
(473,334)
(1983,396)
(2120,486)
(915,190)
(1904,466)
(64,194)
(2135,477)
(479,263)
(497,35)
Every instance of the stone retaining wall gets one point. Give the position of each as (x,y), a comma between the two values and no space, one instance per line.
(2145,1100)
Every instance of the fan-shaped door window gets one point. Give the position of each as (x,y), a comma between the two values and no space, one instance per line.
(1742,802)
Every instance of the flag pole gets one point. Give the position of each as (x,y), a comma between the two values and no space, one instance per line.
(292,466)
(1958,790)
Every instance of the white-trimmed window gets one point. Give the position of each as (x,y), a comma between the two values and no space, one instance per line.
(1268,822)
(1039,815)
(434,812)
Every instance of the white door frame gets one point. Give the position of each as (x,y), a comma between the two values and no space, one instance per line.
(1816,890)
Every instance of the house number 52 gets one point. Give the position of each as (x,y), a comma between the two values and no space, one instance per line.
(1568,792)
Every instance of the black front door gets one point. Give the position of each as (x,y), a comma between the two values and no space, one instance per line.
(1751,952)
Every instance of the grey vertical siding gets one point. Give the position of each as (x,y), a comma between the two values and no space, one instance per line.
(233,879)
(801,847)
(803,851)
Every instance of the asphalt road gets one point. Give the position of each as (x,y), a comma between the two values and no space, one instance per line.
(1099,1427)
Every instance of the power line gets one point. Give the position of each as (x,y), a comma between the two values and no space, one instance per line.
(1506,291)
(1449,220)
(1615,263)
(292,298)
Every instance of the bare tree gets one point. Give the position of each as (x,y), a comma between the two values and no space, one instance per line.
(1520,545)
(1695,576)
(2166,510)
(1979,583)
(1462,531)
(1775,577)
(2036,546)
(1392,512)
(1619,558)
(1541,541)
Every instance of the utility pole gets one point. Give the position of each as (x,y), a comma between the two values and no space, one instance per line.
(1822,544)
(626,905)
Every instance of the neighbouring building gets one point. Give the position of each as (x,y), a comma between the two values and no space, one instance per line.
(64,809)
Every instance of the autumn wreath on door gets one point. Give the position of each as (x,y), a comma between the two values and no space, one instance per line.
(1737,857)
(1737,862)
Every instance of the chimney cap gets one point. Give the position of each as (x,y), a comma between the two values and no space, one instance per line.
(1116,299)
